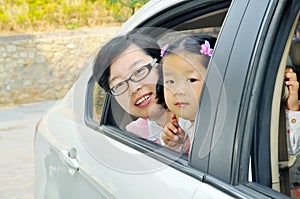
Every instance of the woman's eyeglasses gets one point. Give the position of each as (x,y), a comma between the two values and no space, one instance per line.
(136,76)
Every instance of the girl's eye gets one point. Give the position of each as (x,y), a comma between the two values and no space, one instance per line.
(170,82)
(191,80)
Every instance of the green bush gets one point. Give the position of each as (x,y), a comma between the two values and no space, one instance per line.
(20,16)
(4,17)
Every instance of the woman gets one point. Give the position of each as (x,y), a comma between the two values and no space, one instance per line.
(126,67)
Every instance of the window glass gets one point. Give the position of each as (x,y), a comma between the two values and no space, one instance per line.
(213,31)
(171,36)
(98,102)
(197,25)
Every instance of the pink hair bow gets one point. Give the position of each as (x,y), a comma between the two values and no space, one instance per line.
(164,50)
(205,49)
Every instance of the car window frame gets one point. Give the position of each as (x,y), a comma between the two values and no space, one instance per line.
(276,36)
(180,164)
(104,120)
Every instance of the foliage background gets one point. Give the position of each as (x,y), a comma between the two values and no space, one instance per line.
(20,16)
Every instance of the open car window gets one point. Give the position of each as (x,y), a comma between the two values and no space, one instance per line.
(293,61)
(98,102)
(281,175)
(208,21)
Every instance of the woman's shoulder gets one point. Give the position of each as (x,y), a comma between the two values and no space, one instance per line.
(139,127)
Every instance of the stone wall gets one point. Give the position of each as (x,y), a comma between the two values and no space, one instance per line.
(42,67)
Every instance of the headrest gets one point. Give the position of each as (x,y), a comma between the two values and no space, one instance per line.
(295,52)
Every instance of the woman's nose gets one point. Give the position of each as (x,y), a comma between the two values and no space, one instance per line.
(134,87)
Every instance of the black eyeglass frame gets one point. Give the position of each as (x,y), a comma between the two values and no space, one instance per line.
(148,66)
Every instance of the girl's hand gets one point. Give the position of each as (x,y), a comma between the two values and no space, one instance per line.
(293,86)
(174,137)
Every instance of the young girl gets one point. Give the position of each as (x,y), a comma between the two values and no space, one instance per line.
(184,67)
(183,70)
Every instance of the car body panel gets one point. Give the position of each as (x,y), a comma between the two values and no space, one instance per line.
(100,175)
(100,178)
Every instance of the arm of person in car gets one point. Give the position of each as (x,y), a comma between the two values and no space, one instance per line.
(292,111)
(293,87)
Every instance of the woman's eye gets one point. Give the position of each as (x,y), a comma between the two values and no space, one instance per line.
(139,72)
(191,80)
(120,84)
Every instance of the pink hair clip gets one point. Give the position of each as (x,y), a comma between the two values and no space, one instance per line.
(205,49)
(164,50)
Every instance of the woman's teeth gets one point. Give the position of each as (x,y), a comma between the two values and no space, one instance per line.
(142,100)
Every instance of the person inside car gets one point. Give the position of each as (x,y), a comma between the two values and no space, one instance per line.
(293,129)
(183,53)
(184,65)
(126,67)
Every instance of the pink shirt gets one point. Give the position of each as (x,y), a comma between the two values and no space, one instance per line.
(147,129)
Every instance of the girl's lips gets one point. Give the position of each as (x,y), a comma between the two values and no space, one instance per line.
(143,100)
(181,104)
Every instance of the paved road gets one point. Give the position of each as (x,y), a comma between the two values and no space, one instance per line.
(16,149)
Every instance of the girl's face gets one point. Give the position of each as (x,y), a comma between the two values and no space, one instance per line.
(140,98)
(183,82)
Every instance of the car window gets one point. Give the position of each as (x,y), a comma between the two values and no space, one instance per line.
(287,179)
(206,23)
(292,136)
(98,102)
(282,177)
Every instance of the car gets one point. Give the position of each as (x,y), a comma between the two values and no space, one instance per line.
(82,150)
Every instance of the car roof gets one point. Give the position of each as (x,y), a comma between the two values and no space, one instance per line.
(149,10)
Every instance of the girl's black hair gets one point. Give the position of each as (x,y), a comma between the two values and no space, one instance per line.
(191,43)
(108,53)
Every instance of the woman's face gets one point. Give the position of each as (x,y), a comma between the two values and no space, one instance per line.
(140,98)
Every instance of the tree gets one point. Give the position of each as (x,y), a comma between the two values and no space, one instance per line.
(131,4)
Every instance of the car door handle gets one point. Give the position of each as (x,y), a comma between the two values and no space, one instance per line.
(69,160)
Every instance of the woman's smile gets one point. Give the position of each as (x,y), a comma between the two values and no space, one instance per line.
(143,101)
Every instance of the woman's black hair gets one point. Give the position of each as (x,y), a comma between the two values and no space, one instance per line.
(108,53)
(192,44)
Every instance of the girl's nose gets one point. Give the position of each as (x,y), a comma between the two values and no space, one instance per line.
(179,89)
(178,92)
